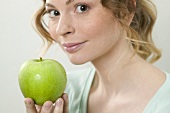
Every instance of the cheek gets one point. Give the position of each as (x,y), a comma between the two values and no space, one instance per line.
(52,29)
(100,25)
(91,27)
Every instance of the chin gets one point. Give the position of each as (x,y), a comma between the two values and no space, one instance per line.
(78,61)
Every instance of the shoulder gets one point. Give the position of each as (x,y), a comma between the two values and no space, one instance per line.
(160,103)
(164,101)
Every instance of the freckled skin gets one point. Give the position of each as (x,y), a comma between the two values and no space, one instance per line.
(96,26)
(42,80)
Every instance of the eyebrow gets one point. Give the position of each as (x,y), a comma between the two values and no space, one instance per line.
(49,5)
(67,3)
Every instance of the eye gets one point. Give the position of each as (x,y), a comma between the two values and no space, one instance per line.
(53,13)
(81,8)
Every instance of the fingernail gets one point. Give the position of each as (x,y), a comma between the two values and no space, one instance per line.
(59,102)
(47,106)
(27,102)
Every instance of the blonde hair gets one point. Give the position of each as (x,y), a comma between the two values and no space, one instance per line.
(139,32)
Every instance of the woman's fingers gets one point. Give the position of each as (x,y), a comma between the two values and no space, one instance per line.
(59,106)
(30,106)
(38,108)
(47,107)
(66,103)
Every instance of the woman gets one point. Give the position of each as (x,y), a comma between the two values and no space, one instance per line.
(116,37)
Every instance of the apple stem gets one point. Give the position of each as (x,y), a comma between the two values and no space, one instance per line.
(40,58)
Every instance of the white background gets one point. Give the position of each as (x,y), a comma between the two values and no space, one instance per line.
(19,42)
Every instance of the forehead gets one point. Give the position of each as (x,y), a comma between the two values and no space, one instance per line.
(63,3)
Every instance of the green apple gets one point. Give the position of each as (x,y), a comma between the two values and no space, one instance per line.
(42,80)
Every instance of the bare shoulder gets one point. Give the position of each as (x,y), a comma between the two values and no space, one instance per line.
(148,80)
(151,78)
(154,73)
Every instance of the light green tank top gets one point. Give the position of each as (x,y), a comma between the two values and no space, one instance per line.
(78,87)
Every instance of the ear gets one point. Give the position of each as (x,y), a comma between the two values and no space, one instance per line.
(133,2)
(130,18)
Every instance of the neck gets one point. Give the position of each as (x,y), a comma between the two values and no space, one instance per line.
(111,68)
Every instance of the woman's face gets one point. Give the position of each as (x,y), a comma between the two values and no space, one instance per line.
(84,29)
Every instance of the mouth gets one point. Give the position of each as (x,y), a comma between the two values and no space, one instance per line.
(73,47)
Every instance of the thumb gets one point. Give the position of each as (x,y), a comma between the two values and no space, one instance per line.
(30,106)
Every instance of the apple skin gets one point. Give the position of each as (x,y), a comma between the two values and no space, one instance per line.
(42,80)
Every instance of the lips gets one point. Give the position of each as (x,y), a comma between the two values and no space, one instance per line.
(73,47)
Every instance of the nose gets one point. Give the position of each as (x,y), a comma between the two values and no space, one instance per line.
(64,26)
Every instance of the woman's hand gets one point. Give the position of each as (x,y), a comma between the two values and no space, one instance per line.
(61,106)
